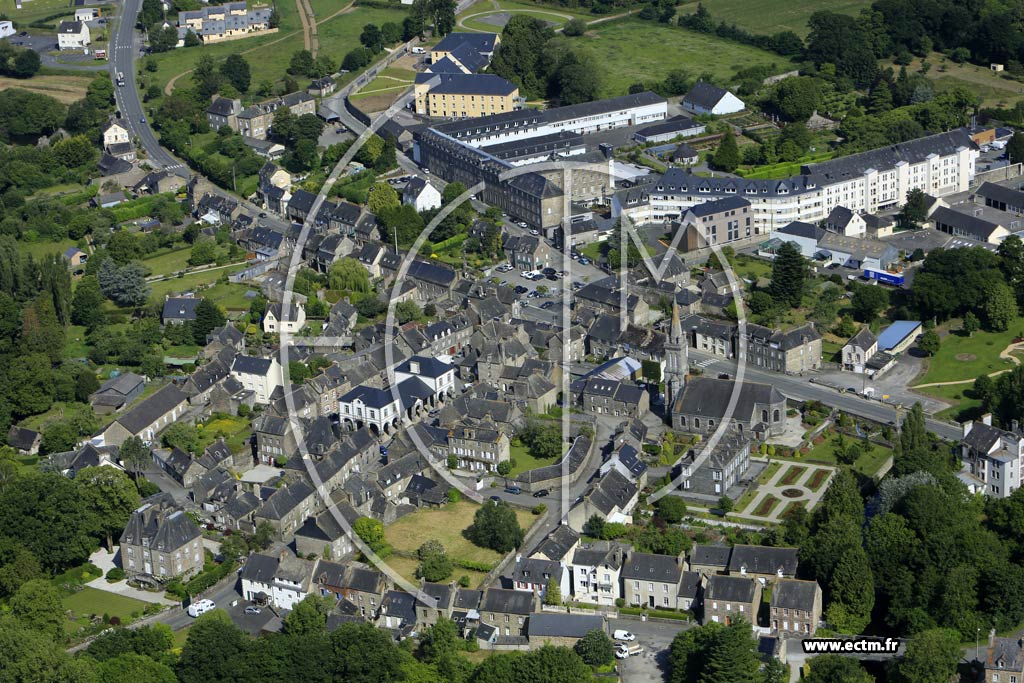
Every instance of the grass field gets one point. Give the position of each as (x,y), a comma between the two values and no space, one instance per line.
(234,429)
(963,407)
(406,566)
(525,461)
(991,87)
(768,472)
(89,601)
(189,282)
(41,249)
(167,262)
(767,17)
(390,82)
(868,463)
(35,10)
(961,357)
(632,51)
(66,89)
(446,525)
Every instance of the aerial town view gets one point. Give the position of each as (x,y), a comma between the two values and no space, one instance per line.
(511,341)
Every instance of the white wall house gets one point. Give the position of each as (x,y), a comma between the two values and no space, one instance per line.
(73,35)
(84,14)
(115,133)
(7,29)
(274,321)
(705,98)
(258,375)
(992,457)
(436,374)
(421,195)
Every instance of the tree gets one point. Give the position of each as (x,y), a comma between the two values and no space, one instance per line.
(1000,307)
(495,527)
(29,384)
(543,439)
(880,100)
(135,455)
(309,618)
(181,435)
(382,197)
(213,651)
(131,668)
(971,323)
(851,592)
(371,531)
(150,13)
(915,211)
(109,496)
(725,504)
(504,467)
(31,655)
(236,70)
(87,303)
(208,318)
(868,301)
(714,653)
(789,273)
(672,509)
(439,641)
(577,80)
(363,653)
(371,38)
(191,39)
(26,64)
(574,27)
(124,285)
(407,311)
(797,98)
(595,648)
(301,63)
(932,657)
(727,156)
(929,342)
(594,527)
(37,605)
(435,565)
(552,594)
(349,275)
(837,669)
(162,38)
(1015,148)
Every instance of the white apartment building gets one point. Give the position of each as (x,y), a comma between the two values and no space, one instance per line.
(868,182)
(992,457)
(258,375)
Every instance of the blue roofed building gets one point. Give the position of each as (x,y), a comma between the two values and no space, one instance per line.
(899,336)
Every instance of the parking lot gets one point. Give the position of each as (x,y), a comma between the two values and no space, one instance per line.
(655,638)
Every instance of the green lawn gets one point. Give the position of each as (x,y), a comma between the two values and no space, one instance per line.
(44,248)
(992,88)
(446,525)
(169,261)
(189,282)
(390,81)
(767,16)
(406,566)
(963,408)
(36,10)
(768,472)
(524,461)
(868,463)
(631,51)
(89,601)
(234,429)
(551,16)
(961,357)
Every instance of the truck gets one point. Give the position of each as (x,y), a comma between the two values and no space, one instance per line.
(999,144)
(884,277)
(120,78)
(626,650)
(100,54)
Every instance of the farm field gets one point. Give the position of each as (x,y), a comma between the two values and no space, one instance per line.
(66,89)
(767,17)
(993,89)
(632,51)
(446,525)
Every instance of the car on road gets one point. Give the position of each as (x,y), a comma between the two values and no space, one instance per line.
(547,304)
(535,232)
(200,607)
(543,493)
(142,119)
(252,609)
(514,490)
(623,635)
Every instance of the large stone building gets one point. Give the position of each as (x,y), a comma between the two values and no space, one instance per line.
(160,541)
(232,20)
(759,410)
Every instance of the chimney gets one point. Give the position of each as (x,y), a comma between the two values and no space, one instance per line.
(966,427)
(414,367)
(992,638)
(519,558)
(1015,425)
(987,419)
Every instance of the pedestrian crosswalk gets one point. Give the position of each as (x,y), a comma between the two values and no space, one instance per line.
(704,363)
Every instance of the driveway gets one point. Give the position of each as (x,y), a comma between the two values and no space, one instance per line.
(656,638)
(106,561)
(895,384)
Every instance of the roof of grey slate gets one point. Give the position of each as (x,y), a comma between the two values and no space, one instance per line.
(794,594)
(730,588)
(150,409)
(554,625)
(651,567)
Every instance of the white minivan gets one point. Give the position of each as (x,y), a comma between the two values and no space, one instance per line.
(200,607)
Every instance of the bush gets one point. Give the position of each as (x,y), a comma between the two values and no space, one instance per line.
(539,509)
(115,574)
(464,581)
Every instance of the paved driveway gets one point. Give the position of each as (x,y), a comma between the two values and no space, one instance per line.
(656,638)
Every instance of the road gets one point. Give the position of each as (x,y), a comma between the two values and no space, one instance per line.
(122,56)
(800,388)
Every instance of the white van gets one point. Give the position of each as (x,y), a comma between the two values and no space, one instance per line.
(200,607)
(419,51)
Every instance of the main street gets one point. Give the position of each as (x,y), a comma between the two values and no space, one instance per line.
(123,53)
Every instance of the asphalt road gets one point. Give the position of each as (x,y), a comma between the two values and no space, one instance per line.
(800,388)
(122,56)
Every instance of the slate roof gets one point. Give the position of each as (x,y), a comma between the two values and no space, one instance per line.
(760,559)
(676,124)
(21,438)
(597,554)
(912,152)
(466,598)
(555,625)
(557,544)
(864,338)
(260,568)
(718,206)
(729,589)
(794,594)
(251,365)
(180,308)
(285,499)
(983,437)
(710,555)
(399,604)
(151,409)
(504,601)
(428,367)
(650,567)
(975,226)
(72,27)
(1006,195)
(709,397)
(1006,654)
(705,95)
(535,570)
(221,106)
(690,586)
(613,490)
(159,522)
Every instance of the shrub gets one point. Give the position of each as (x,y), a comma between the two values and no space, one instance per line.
(539,509)
(115,574)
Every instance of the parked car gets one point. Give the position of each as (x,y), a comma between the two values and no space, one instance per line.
(253,609)
(514,490)
(584,261)
(624,635)
(535,232)
(624,651)
(547,304)
(548,271)
(521,289)
(543,493)
(496,498)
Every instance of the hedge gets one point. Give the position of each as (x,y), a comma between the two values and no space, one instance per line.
(209,578)
(656,613)
(471,564)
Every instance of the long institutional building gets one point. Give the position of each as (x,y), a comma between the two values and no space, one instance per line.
(485,148)
(868,182)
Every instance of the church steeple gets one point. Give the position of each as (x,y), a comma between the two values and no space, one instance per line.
(677,358)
